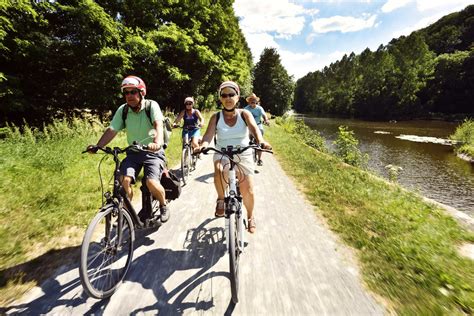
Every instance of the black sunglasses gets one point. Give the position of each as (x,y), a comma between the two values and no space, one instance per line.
(188,103)
(132,92)
(225,95)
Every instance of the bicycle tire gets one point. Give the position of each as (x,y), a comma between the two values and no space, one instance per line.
(234,256)
(185,164)
(194,160)
(101,257)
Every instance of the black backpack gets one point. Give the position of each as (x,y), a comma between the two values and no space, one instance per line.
(147,111)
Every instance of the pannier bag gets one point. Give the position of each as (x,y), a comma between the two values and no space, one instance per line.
(171,184)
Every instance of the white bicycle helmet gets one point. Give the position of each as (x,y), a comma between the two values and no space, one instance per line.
(134,82)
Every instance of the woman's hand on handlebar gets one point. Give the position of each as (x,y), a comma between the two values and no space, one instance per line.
(265,145)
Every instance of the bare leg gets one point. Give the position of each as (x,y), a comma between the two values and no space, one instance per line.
(219,183)
(246,189)
(127,185)
(156,190)
(194,143)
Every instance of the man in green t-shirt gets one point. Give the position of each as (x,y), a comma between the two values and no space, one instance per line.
(138,124)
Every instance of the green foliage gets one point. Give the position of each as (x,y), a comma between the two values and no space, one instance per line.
(74,54)
(393,172)
(408,249)
(404,79)
(272,83)
(308,136)
(347,148)
(464,138)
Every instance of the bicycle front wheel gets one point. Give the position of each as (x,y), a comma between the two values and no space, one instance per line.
(234,256)
(185,164)
(106,252)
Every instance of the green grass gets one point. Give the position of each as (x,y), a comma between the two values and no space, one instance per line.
(464,135)
(50,192)
(407,248)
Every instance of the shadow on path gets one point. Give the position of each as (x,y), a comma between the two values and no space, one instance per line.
(204,247)
(45,270)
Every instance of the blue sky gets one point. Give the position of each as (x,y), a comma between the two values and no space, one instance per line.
(310,34)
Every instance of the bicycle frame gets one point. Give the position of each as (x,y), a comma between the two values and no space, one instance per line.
(233,202)
(120,198)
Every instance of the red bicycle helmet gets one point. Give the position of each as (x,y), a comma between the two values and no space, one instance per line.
(134,82)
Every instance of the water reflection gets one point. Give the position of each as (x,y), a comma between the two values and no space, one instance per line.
(429,168)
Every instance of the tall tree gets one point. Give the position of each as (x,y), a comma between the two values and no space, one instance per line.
(272,83)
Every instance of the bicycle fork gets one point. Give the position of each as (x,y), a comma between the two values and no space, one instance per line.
(233,204)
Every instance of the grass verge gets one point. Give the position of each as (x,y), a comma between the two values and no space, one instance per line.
(407,248)
(49,193)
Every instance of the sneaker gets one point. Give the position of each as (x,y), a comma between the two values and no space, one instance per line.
(165,214)
(260,163)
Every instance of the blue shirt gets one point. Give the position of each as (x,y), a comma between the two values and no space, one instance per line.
(257,113)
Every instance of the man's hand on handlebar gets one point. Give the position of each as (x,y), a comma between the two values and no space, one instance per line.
(92,149)
(153,147)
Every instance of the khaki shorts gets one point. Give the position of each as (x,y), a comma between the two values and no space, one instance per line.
(245,162)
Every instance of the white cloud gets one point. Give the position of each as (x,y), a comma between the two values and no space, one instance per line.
(343,24)
(392,5)
(280,16)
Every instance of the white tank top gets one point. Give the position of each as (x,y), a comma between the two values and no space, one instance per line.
(237,135)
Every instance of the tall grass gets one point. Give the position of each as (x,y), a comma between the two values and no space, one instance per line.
(407,248)
(464,136)
(47,185)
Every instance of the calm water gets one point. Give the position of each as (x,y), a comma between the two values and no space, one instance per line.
(429,168)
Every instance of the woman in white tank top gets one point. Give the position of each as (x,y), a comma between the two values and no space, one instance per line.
(233,128)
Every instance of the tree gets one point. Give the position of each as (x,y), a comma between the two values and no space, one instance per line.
(272,82)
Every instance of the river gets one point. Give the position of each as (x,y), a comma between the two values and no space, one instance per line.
(429,165)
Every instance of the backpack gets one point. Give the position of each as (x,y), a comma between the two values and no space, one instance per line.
(171,184)
(167,128)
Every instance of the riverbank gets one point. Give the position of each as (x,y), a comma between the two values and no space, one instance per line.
(407,248)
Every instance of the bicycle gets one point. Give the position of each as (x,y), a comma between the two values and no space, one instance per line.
(253,141)
(234,219)
(107,246)
(188,159)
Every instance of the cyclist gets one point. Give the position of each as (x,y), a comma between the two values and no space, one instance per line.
(258,112)
(138,125)
(232,128)
(193,121)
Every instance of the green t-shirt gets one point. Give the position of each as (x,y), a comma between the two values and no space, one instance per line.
(137,124)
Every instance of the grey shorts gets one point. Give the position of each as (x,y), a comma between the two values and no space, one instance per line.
(153,164)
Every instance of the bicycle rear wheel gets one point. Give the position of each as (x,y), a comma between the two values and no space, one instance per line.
(234,256)
(105,261)
(185,164)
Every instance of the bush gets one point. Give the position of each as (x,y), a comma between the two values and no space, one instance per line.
(347,148)
(464,138)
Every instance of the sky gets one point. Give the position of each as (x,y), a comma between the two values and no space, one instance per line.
(311,34)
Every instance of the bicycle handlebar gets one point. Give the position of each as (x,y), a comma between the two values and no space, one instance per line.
(230,150)
(117,150)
